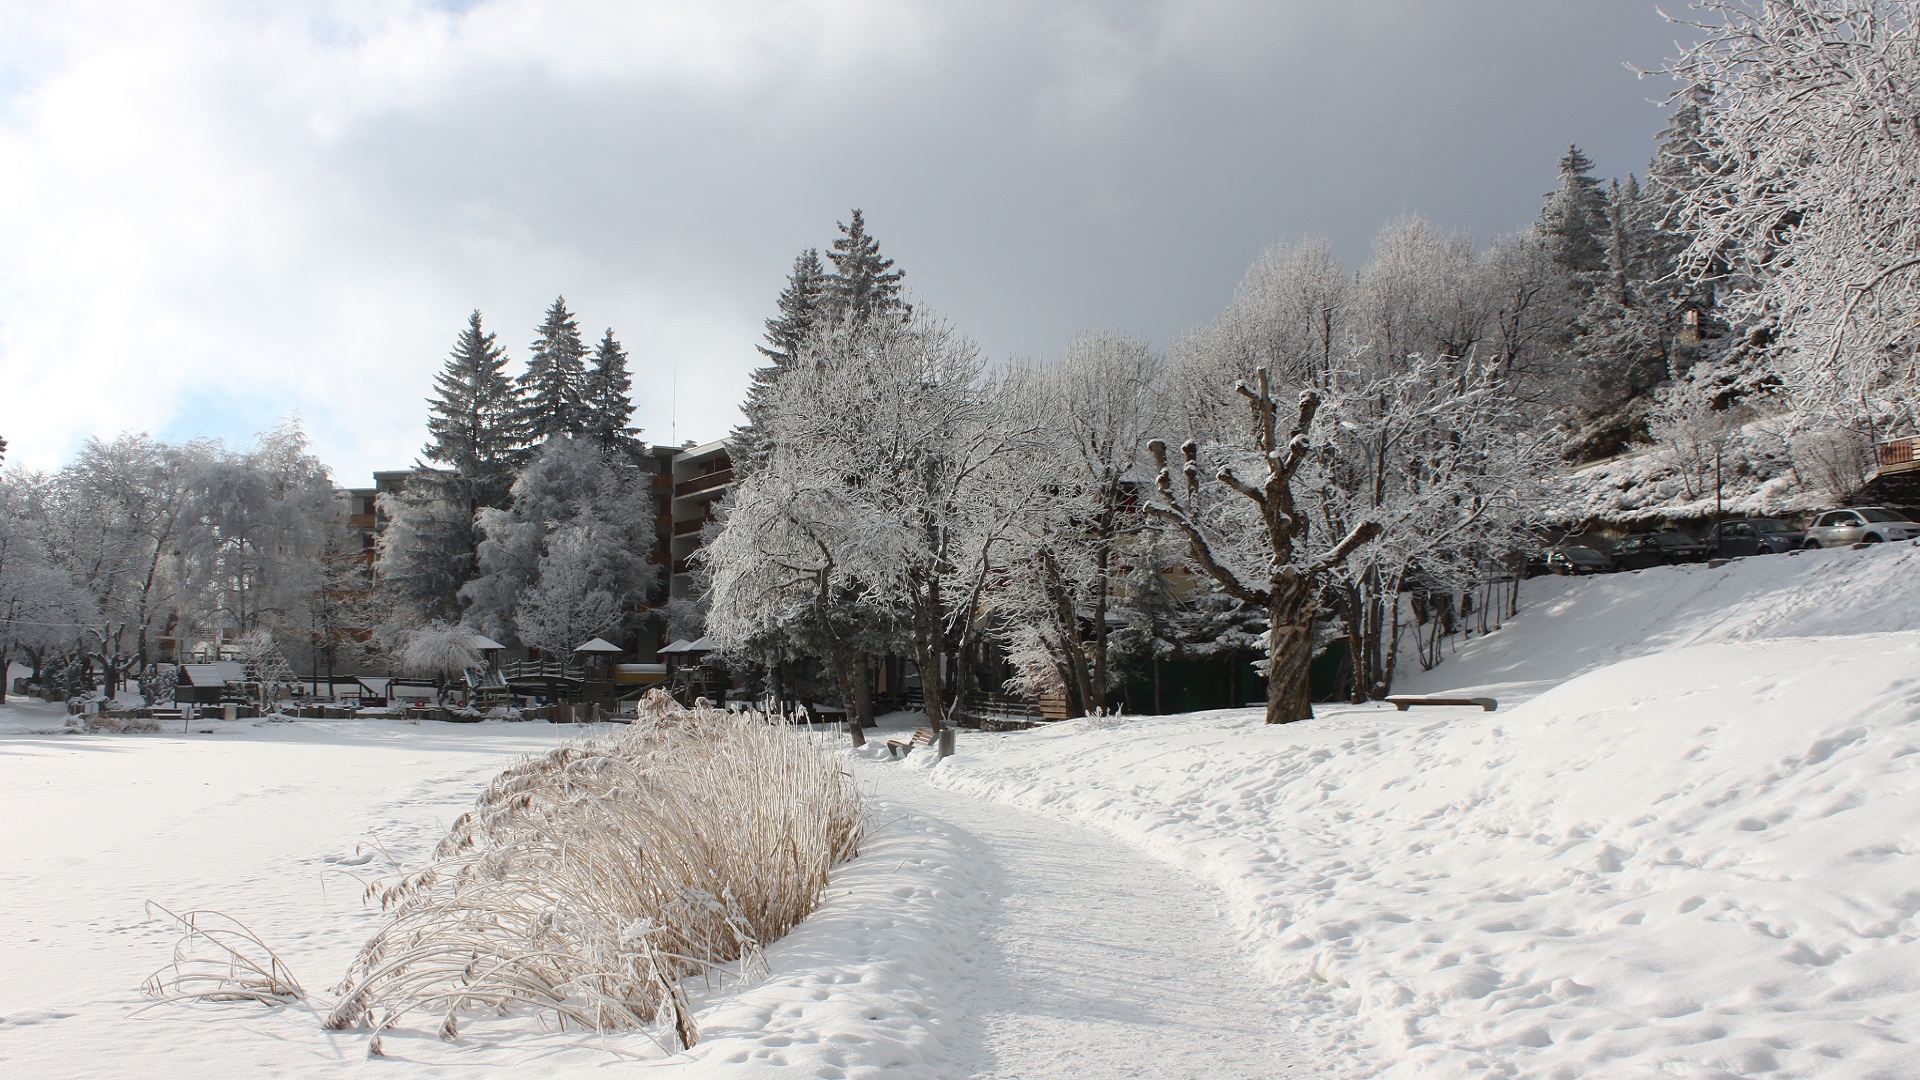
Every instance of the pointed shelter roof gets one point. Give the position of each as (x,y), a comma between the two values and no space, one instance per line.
(599,645)
(485,643)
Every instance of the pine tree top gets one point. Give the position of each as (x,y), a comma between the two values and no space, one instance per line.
(865,285)
(608,397)
(470,423)
(799,306)
(553,384)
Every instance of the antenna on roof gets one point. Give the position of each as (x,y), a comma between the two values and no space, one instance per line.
(673,410)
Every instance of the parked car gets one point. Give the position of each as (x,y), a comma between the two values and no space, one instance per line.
(1656,549)
(1861,524)
(1574,559)
(1753,536)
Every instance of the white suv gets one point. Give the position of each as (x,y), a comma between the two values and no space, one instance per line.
(1862,524)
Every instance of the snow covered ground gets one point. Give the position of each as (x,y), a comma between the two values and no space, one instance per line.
(1691,854)
(1685,846)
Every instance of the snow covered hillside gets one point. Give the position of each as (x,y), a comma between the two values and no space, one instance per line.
(1570,626)
(1694,856)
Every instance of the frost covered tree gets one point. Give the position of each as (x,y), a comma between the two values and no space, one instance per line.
(428,548)
(440,651)
(1078,535)
(119,519)
(1574,219)
(553,388)
(902,420)
(1251,537)
(1800,199)
(601,514)
(608,399)
(571,599)
(802,310)
(261,518)
(783,581)
(42,607)
(864,286)
(1418,367)
(470,423)
(1441,455)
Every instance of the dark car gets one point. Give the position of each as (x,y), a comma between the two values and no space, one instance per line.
(1753,536)
(1574,559)
(1656,549)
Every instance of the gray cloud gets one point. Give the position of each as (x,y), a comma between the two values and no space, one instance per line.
(221,213)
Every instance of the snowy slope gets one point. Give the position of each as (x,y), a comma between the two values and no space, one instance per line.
(1698,858)
(1569,626)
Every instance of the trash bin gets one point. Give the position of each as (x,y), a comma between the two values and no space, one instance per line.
(230,711)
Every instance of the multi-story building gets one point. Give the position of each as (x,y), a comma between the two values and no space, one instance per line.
(702,476)
(687,484)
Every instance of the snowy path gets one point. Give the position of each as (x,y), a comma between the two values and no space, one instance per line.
(1097,961)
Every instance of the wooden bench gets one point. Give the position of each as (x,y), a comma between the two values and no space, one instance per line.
(897,747)
(1405,703)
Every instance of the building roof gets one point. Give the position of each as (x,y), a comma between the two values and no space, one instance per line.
(705,644)
(599,645)
(705,448)
(485,643)
(217,673)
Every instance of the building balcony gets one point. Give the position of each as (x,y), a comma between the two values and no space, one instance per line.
(709,482)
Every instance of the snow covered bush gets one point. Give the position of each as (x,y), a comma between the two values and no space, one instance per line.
(439,650)
(586,883)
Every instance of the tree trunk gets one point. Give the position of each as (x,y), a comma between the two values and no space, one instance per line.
(1102,571)
(1081,694)
(1353,611)
(1289,653)
(926,658)
(1391,657)
(860,709)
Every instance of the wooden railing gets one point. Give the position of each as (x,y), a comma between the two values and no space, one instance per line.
(1898,452)
(528,670)
(719,478)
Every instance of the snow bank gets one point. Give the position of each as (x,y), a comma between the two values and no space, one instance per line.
(869,985)
(1696,859)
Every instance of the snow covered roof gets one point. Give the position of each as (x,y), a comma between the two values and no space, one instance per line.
(679,646)
(217,673)
(599,645)
(485,643)
(705,644)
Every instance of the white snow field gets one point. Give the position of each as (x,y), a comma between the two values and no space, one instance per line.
(1685,846)
(1693,854)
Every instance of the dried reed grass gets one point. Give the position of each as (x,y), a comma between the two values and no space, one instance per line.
(218,959)
(588,882)
(111,724)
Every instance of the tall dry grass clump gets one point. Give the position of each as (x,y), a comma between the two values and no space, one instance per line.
(588,882)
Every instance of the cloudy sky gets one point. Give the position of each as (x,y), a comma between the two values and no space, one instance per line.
(215,214)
